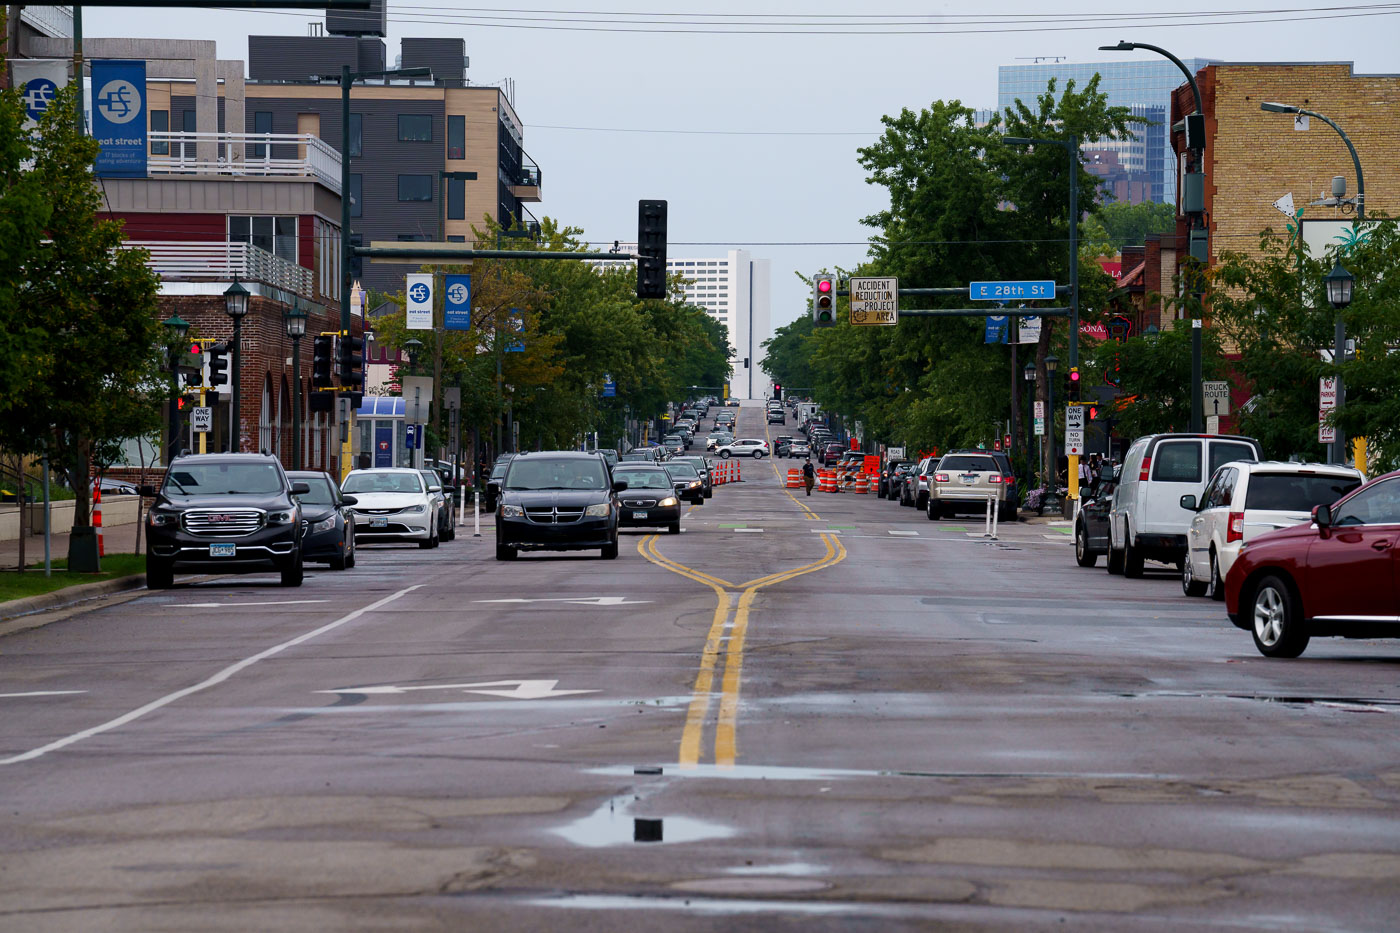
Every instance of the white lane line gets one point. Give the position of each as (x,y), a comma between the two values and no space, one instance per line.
(905,534)
(42,693)
(757,531)
(274,602)
(215,680)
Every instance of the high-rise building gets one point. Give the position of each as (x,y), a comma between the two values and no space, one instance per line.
(1145,85)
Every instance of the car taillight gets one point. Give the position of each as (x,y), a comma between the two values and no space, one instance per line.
(1235,530)
(994,478)
(1146,468)
(1008,480)
(940,477)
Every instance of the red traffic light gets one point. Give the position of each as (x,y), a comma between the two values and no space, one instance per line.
(824,285)
(1074,375)
(1093,413)
(196,348)
(180,403)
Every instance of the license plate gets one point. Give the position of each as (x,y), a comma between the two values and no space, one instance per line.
(223,550)
(636,514)
(969,479)
(379,523)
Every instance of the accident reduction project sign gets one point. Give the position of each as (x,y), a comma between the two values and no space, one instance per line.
(119,118)
(874,301)
(418,292)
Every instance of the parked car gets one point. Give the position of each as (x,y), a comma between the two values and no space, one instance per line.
(781,444)
(447,522)
(965,483)
(900,478)
(394,504)
(328,535)
(1331,577)
(1244,500)
(687,480)
(755,447)
(917,486)
(224,513)
(649,499)
(557,501)
(1091,525)
(493,482)
(799,449)
(1008,479)
(887,474)
(1147,521)
(644,455)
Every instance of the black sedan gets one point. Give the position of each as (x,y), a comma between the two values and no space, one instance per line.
(329,535)
(649,501)
(1091,527)
(687,481)
(703,467)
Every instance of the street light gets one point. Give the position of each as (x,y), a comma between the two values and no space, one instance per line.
(1052,363)
(178,328)
(1339,283)
(413,346)
(295,319)
(236,307)
(1029,374)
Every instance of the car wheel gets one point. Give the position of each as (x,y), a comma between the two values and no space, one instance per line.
(338,562)
(1278,625)
(1115,557)
(758,454)
(292,576)
(934,511)
(1189,584)
(1082,555)
(610,550)
(426,542)
(724,454)
(505,552)
(159,574)
(674,528)
(921,502)
(1132,557)
(709,493)
(350,557)
(1216,588)
(1007,513)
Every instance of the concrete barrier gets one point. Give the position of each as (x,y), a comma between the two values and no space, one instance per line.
(116,510)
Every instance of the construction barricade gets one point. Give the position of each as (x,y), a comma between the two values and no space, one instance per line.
(826,481)
(794,479)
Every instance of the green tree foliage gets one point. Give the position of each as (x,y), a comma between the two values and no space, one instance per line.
(94,375)
(1155,373)
(1117,225)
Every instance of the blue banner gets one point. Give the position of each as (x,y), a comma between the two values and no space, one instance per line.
(996,328)
(119,118)
(609,387)
(457,302)
(515,324)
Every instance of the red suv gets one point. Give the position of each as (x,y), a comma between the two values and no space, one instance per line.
(1333,577)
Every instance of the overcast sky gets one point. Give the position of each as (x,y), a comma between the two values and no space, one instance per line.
(797,199)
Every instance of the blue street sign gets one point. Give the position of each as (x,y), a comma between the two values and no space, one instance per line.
(1010,291)
(409,431)
(457,304)
(119,118)
(609,387)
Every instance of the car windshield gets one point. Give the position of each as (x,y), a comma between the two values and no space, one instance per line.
(637,457)
(320,493)
(682,470)
(499,470)
(644,479)
(224,479)
(1296,492)
(405,483)
(693,461)
(967,463)
(526,475)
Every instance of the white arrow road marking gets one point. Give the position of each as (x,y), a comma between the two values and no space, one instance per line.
(275,602)
(523,689)
(580,600)
(42,693)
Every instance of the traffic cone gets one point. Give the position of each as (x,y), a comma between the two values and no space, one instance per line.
(97,515)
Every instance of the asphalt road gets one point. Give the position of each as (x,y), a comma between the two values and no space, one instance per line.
(799,714)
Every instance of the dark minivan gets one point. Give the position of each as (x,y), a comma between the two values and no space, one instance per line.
(557,500)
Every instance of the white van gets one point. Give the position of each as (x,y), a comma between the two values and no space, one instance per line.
(1146,521)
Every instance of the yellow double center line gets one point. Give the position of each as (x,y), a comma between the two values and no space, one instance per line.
(731,647)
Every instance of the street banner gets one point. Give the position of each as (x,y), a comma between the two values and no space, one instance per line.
(119,118)
(1030,330)
(609,388)
(457,302)
(418,290)
(996,328)
(515,330)
(39,80)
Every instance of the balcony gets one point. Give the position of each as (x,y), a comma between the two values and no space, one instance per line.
(183,260)
(527,180)
(274,155)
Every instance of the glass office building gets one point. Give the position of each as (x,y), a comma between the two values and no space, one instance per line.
(1144,84)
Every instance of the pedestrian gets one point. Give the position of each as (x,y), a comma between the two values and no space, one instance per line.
(809,475)
(1083,472)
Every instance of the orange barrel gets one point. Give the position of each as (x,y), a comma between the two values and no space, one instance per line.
(794,480)
(826,481)
(862,484)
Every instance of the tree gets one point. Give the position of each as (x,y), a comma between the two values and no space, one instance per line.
(1117,225)
(1155,374)
(95,378)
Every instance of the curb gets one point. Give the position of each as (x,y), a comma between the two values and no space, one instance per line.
(68,596)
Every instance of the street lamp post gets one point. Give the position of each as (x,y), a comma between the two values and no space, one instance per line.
(295,319)
(178,328)
(236,307)
(1052,363)
(1339,331)
(1029,373)
(1339,284)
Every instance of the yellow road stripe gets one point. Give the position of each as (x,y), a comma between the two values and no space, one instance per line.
(811,516)
(699,576)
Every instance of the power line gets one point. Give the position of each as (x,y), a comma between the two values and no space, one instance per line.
(623,129)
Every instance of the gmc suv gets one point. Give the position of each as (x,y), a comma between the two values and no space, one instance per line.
(224,513)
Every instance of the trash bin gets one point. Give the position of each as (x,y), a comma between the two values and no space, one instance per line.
(82,550)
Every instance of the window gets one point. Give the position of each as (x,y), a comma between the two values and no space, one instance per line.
(413,238)
(276,235)
(456,239)
(415,187)
(262,123)
(1296,492)
(1177,462)
(1378,504)
(415,128)
(160,123)
(1221,452)
(456,137)
(357,135)
(456,198)
(357,194)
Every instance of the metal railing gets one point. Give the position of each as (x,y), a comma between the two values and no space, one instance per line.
(182,259)
(245,154)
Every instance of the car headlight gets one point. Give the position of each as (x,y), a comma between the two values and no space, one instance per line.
(282,517)
(667,502)
(512,511)
(600,510)
(160,519)
(695,484)
(325,524)
(414,509)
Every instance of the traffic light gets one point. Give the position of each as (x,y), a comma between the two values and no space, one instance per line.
(191,361)
(1093,413)
(321,401)
(824,300)
(651,249)
(322,354)
(777,392)
(351,361)
(218,364)
(1074,385)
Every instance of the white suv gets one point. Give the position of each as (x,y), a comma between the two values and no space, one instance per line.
(1146,521)
(744,447)
(1245,499)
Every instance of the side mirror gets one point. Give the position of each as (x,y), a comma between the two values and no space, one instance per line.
(148,490)
(300,489)
(349,500)
(619,485)
(1189,503)
(434,489)
(1322,516)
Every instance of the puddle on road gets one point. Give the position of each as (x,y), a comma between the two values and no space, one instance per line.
(1346,704)
(612,824)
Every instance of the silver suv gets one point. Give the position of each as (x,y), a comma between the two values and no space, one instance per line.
(964,483)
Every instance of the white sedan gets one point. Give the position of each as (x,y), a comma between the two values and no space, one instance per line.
(393,505)
(744,447)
